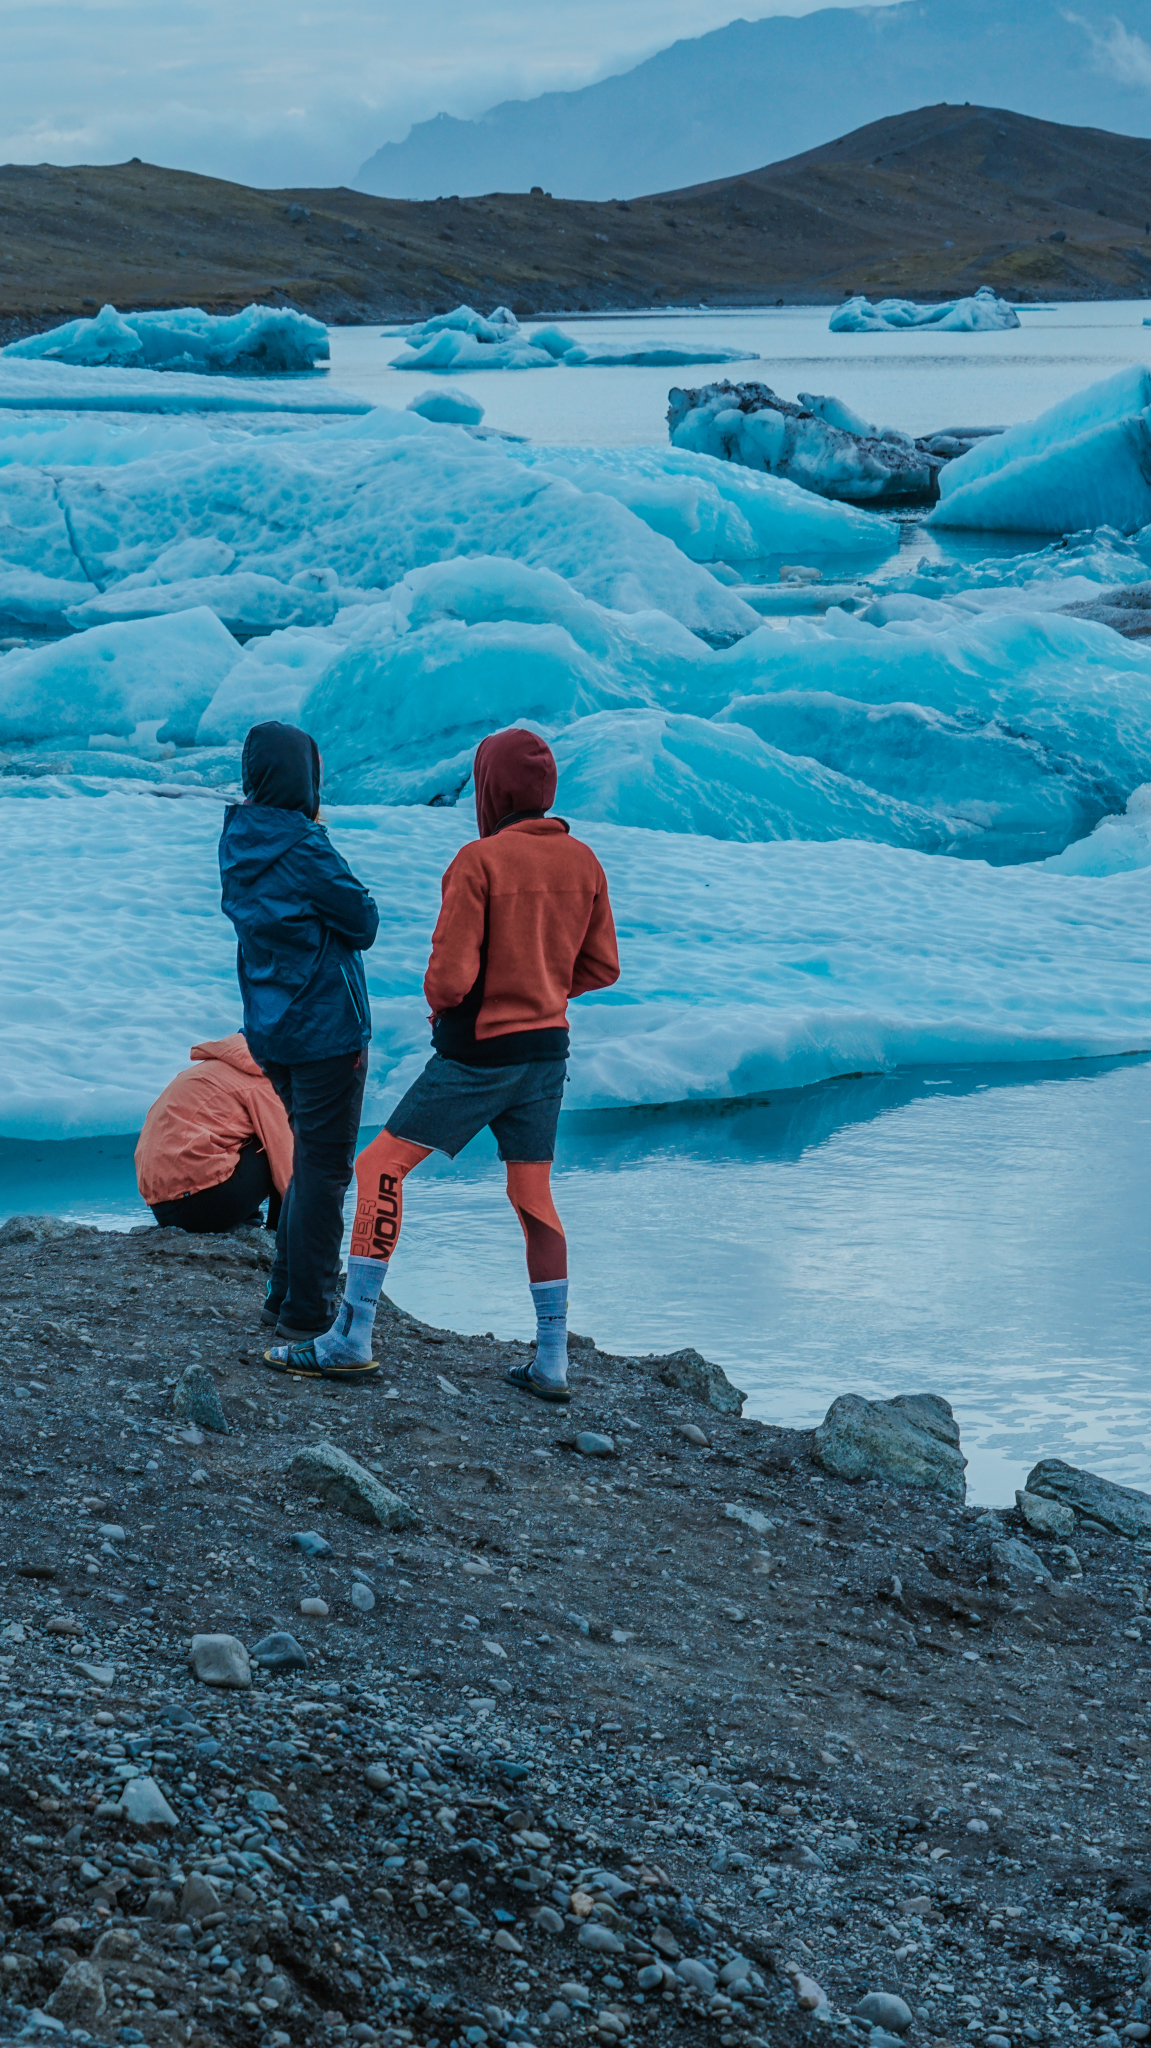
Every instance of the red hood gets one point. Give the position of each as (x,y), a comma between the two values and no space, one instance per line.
(514,771)
(233,1051)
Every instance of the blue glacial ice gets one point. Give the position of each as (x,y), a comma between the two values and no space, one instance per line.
(67,387)
(984,312)
(116,679)
(321,520)
(449,406)
(747,967)
(262,341)
(465,340)
(654,355)
(751,425)
(1083,463)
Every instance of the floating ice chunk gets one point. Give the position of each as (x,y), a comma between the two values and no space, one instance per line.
(1117,844)
(714,510)
(259,342)
(65,387)
(984,312)
(113,679)
(553,341)
(450,407)
(749,968)
(450,350)
(659,355)
(676,773)
(750,424)
(500,326)
(1081,464)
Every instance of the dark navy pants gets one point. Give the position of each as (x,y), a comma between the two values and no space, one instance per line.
(323,1100)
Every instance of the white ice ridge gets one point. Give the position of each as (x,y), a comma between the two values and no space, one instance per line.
(285,529)
(745,969)
(465,340)
(982,313)
(66,387)
(262,341)
(1083,463)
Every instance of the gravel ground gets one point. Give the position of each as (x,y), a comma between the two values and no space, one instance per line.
(638,1745)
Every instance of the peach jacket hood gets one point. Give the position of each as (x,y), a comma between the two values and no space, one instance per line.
(194,1132)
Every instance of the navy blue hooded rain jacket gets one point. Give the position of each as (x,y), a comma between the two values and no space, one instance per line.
(300,915)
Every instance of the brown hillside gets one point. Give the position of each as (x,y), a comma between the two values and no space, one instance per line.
(928,204)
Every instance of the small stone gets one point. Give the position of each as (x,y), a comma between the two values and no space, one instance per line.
(363,1598)
(379,1777)
(314,1605)
(195,1399)
(590,1444)
(734,1511)
(693,1434)
(198,1898)
(1046,1517)
(735,1971)
(885,2009)
(977,1827)
(161,1905)
(220,1660)
(280,1652)
(100,1674)
(310,1542)
(493,1649)
(809,1995)
(601,1939)
(1013,1559)
(63,1625)
(880,2038)
(503,1940)
(549,1921)
(651,1977)
(79,1996)
(342,1484)
(697,1975)
(143,1803)
(112,1532)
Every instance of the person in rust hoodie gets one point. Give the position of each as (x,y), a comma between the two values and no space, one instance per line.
(525,925)
(216,1143)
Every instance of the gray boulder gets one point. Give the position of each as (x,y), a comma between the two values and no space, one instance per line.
(36,1229)
(885,2009)
(79,1997)
(220,1660)
(1121,1509)
(280,1652)
(198,1898)
(697,1376)
(1045,1517)
(1011,1559)
(143,1803)
(340,1483)
(912,1440)
(196,1400)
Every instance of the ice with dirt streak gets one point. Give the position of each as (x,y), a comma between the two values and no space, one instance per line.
(746,968)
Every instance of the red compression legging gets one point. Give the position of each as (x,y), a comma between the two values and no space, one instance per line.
(380,1173)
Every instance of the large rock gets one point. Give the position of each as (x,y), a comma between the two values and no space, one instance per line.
(220,1660)
(1012,1559)
(79,1996)
(340,1483)
(35,1229)
(1122,1509)
(1046,1517)
(696,1375)
(196,1400)
(280,1652)
(912,1440)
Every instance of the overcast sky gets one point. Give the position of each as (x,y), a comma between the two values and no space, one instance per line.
(272,92)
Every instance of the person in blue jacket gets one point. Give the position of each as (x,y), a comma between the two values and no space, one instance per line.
(301,918)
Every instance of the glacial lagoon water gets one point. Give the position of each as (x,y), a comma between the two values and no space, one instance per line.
(978,1232)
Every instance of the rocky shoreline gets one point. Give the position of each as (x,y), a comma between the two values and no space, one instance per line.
(636,1722)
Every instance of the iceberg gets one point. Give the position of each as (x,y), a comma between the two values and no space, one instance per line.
(115,679)
(44,386)
(1084,463)
(1118,844)
(715,511)
(750,424)
(654,355)
(748,967)
(464,340)
(262,341)
(984,312)
(449,407)
(325,519)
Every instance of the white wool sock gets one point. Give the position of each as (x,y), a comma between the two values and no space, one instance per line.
(349,1341)
(551,1360)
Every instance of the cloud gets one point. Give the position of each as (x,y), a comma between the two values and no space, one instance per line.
(1117,51)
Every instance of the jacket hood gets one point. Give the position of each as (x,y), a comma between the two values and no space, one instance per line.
(515,772)
(233,1051)
(281,768)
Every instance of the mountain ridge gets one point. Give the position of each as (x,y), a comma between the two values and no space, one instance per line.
(756,92)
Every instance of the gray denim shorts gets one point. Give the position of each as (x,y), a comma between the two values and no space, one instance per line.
(450,1103)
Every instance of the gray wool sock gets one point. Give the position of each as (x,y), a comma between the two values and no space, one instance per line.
(349,1341)
(551,1302)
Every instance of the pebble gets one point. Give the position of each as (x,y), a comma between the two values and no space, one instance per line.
(312,1604)
(378,1776)
(195,1399)
(79,1996)
(885,2009)
(652,1977)
(310,1542)
(112,1532)
(198,1898)
(502,1939)
(549,1920)
(809,1995)
(697,1975)
(693,1434)
(977,1827)
(363,1598)
(601,1939)
(1046,1517)
(220,1660)
(590,1444)
(734,1511)
(280,1652)
(143,1803)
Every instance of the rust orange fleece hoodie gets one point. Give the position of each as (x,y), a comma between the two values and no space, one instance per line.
(194,1131)
(525,912)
